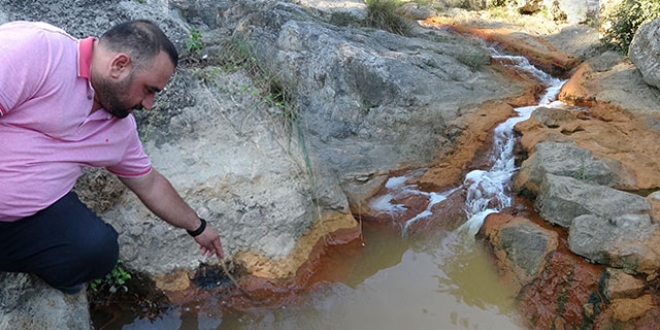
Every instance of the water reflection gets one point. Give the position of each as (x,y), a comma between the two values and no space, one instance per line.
(395,283)
(445,284)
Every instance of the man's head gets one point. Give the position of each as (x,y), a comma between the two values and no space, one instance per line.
(132,62)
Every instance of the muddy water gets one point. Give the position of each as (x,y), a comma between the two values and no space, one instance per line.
(447,282)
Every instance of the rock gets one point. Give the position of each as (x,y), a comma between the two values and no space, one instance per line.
(625,241)
(26,302)
(553,117)
(628,309)
(654,200)
(622,285)
(561,199)
(539,52)
(527,6)
(612,79)
(372,100)
(350,9)
(579,41)
(563,159)
(520,246)
(415,11)
(643,52)
(565,294)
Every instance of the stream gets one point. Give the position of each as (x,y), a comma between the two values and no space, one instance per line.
(395,280)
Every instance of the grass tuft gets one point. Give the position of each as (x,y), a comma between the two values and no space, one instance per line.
(383,14)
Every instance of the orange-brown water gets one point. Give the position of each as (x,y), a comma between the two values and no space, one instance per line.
(443,282)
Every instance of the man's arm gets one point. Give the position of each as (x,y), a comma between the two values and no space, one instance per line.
(156,192)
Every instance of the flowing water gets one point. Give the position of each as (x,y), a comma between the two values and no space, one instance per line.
(399,282)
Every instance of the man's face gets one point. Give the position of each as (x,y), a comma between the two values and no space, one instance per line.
(114,96)
(135,91)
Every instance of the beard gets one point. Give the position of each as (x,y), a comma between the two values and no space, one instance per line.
(111,95)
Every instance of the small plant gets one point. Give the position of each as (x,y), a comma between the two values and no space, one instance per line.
(581,174)
(113,281)
(194,43)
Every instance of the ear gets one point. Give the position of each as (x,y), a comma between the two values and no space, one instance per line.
(120,65)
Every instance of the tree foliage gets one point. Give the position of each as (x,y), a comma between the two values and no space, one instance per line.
(626,19)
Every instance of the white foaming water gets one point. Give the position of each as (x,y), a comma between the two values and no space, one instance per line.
(488,191)
(434,198)
(396,187)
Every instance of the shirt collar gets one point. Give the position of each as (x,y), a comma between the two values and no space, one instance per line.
(85,47)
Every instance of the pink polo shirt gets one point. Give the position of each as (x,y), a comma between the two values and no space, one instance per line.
(47,134)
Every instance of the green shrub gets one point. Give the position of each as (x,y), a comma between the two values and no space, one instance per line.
(626,19)
(383,14)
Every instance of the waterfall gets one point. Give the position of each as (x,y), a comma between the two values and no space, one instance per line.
(489,191)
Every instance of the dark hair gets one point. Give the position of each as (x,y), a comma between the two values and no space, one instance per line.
(141,39)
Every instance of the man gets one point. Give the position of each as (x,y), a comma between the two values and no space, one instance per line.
(64,104)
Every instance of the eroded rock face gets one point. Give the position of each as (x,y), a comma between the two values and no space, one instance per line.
(561,199)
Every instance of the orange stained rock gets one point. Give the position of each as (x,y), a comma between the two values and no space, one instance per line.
(606,130)
(581,88)
(625,310)
(306,248)
(474,130)
(267,282)
(536,50)
(563,295)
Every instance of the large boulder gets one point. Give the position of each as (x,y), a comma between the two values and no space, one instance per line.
(643,52)
(565,159)
(627,241)
(519,245)
(561,199)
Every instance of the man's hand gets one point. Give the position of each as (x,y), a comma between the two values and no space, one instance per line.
(156,192)
(209,243)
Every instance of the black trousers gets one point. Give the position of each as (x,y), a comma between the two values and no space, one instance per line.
(65,244)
